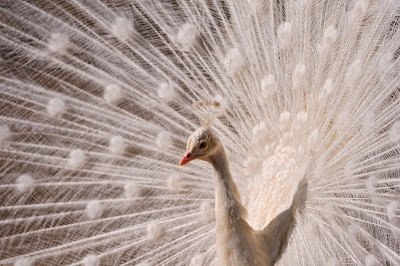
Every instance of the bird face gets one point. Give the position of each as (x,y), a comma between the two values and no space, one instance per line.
(200,145)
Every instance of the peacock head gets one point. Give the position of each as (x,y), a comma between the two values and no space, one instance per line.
(201,144)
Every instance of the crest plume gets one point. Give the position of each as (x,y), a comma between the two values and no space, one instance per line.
(206,110)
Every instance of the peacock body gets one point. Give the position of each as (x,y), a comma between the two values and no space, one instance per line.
(96,107)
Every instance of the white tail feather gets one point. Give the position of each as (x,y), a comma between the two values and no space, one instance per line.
(95,110)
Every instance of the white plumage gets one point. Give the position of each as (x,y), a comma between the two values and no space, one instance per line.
(237,242)
(96,106)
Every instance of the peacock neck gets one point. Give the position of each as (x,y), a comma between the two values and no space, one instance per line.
(220,163)
(225,188)
(232,231)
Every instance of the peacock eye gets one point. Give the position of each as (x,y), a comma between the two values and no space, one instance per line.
(203,145)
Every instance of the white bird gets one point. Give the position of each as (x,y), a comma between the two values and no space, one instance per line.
(237,242)
(96,106)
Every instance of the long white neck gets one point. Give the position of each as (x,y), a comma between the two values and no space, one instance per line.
(226,193)
(232,231)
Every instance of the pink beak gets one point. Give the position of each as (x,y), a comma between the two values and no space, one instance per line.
(186,158)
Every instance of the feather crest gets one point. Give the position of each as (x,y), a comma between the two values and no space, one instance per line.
(206,110)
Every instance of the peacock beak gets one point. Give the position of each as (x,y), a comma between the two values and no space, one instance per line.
(186,158)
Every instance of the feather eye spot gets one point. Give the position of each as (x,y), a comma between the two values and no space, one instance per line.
(56,107)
